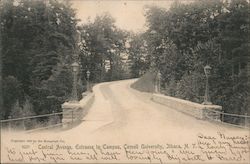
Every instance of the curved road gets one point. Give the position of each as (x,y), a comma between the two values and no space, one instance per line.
(122,116)
(122,112)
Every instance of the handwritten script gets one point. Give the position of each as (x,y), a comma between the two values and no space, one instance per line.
(219,148)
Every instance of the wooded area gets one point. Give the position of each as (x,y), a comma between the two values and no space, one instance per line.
(182,40)
(39,44)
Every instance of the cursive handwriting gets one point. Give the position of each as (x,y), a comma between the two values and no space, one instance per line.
(221,147)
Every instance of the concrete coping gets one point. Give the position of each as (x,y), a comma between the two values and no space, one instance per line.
(86,96)
(71,104)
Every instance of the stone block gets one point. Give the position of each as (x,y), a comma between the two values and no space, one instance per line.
(196,110)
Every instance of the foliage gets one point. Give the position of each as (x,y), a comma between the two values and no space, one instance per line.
(183,39)
(26,110)
(138,55)
(12,92)
(39,37)
(190,88)
(102,49)
(39,40)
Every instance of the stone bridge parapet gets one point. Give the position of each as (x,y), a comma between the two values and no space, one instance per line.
(76,110)
(196,110)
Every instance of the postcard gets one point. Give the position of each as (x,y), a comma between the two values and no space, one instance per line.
(124,81)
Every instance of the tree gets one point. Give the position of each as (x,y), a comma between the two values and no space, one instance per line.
(200,33)
(138,55)
(39,38)
(12,92)
(103,45)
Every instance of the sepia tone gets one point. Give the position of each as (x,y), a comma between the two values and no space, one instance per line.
(136,81)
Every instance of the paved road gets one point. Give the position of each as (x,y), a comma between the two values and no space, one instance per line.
(121,115)
(122,112)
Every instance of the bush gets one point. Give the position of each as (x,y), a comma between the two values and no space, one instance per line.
(18,111)
(190,87)
(170,88)
(13,92)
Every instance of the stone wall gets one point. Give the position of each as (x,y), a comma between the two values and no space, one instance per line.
(196,110)
(75,111)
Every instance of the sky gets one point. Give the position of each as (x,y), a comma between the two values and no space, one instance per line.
(129,14)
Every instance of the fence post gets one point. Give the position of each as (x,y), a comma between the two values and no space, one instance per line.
(246,123)
(222,116)
(23,123)
(53,118)
(9,124)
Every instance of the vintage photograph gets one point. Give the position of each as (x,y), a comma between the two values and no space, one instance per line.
(125,81)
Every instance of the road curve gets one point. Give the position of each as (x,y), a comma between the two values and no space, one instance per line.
(122,112)
(123,116)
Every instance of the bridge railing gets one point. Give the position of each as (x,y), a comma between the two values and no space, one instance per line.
(37,122)
(242,121)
